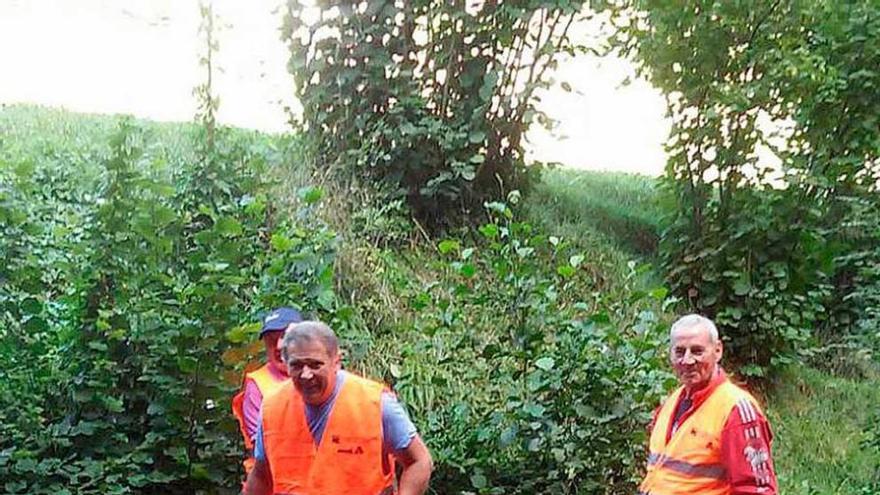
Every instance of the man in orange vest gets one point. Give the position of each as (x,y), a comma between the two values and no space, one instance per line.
(709,437)
(263,381)
(330,432)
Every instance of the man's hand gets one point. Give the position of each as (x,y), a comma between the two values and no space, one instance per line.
(417,467)
(259,482)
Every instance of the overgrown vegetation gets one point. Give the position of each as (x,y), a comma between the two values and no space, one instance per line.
(516,363)
(121,287)
(767,253)
(130,273)
(823,432)
(431,99)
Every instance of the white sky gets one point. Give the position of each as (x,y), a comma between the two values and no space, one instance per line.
(140,57)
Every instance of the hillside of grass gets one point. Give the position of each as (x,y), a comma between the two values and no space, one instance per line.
(625,209)
(821,422)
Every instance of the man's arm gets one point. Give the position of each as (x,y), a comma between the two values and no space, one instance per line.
(253,398)
(259,482)
(417,467)
(745,451)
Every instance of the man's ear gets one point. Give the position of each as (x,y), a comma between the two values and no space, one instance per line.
(719,350)
(338,359)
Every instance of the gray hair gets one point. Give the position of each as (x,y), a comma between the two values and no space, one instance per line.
(695,320)
(309,331)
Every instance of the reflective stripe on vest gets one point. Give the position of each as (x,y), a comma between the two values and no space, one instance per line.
(716,471)
(691,461)
(349,459)
(267,384)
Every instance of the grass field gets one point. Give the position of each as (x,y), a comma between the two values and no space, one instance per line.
(626,208)
(820,422)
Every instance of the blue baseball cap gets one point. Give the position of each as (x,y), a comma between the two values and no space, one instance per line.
(279,319)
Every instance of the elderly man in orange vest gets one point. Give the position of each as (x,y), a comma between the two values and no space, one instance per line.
(330,432)
(709,437)
(263,381)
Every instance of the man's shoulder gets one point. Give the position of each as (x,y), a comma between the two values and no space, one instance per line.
(366,383)
(744,406)
(278,396)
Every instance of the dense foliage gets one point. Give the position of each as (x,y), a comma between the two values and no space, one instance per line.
(133,276)
(430,98)
(125,281)
(764,250)
(524,378)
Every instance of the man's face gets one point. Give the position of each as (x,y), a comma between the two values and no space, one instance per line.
(694,356)
(273,354)
(313,370)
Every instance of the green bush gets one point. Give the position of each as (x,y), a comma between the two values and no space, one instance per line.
(122,291)
(523,379)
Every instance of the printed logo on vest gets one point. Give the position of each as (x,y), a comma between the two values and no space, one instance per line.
(356,450)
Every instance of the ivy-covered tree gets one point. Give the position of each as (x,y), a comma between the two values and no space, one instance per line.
(429,98)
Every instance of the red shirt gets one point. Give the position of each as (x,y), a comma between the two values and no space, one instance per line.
(253,399)
(745,443)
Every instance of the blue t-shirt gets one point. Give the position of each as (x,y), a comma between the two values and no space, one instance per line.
(397,429)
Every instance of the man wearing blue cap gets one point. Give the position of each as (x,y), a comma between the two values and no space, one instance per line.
(261,382)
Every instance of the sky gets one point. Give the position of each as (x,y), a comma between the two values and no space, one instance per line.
(140,57)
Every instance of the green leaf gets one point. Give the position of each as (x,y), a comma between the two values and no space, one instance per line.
(310,194)
(280,242)
(535,410)
(545,363)
(741,287)
(447,246)
(565,270)
(31,306)
(489,230)
(659,293)
(468,270)
(229,227)
(36,325)
(477,137)
(479,481)
(187,364)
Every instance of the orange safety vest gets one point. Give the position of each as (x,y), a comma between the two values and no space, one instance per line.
(691,462)
(267,383)
(349,459)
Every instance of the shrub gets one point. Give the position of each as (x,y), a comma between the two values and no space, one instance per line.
(524,379)
(122,303)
